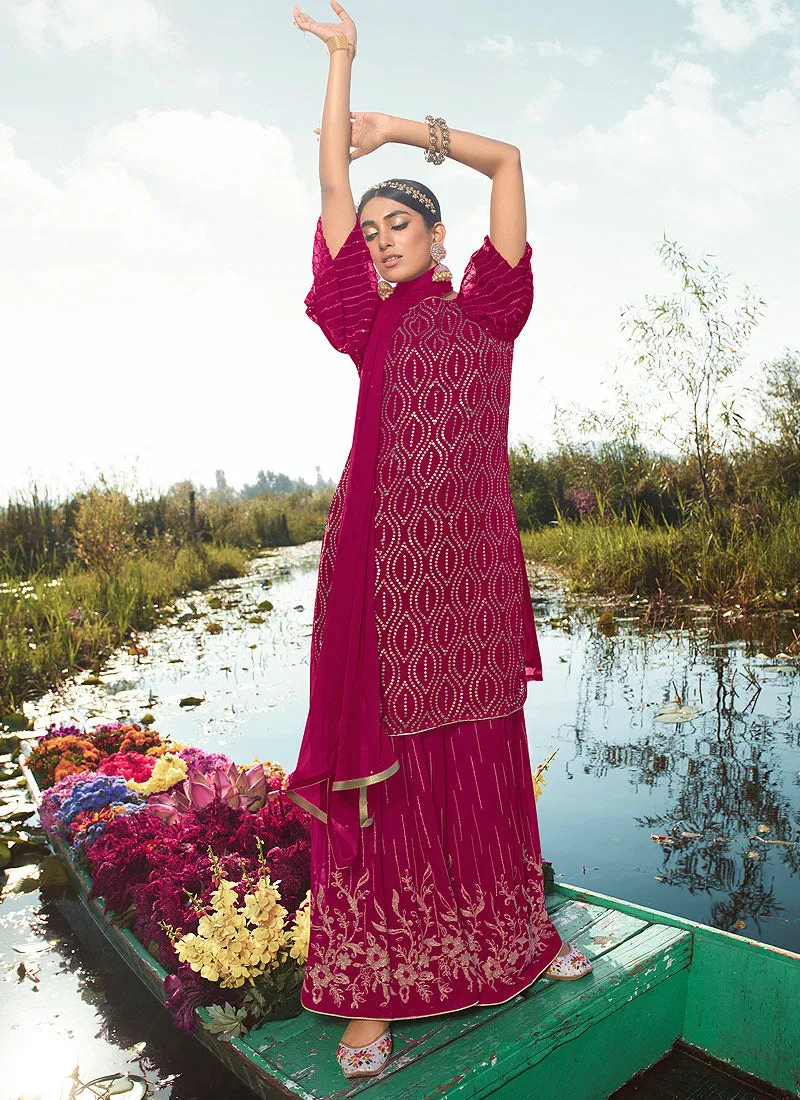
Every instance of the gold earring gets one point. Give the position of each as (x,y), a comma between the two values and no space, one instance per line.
(441,273)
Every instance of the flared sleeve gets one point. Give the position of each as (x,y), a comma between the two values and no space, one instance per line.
(495,295)
(344,296)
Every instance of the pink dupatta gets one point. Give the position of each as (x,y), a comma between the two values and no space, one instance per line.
(345,749)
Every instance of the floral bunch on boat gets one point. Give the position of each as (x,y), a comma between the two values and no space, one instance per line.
(207,862)
(64,750)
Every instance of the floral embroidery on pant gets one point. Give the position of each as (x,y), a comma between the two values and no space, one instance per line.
(429,944)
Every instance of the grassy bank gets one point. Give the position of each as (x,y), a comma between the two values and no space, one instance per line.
(78,577)
(56,626)
(755,566)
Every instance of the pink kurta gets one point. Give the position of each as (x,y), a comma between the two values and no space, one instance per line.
(439,904)
(456,634)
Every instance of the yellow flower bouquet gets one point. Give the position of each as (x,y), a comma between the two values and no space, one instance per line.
(247,941)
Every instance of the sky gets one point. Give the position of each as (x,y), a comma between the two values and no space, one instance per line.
(159,194)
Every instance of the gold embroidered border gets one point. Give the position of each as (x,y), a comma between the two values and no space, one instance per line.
(447,1011)
(459,722)
(361,785)
(348,785)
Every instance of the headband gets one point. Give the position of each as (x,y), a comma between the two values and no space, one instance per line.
(418,195)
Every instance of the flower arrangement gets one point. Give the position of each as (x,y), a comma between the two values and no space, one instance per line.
(243,940)
(217,779)
(111,737)
(59,756)
(63,750)
(207,861)
(80,803)
(235,941)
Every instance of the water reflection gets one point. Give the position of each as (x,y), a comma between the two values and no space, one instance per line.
(721,793)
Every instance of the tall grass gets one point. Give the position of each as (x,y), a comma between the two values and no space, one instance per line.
(756,565)
(55,626)
(77,578)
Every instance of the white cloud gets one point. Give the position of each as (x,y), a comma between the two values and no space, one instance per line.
(506,46)
(734,25)
(536,110)
(155,295)
(116,25)
(667,60)
(679,153)
(586,55)
(553,193)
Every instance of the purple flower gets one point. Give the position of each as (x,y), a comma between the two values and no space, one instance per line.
(204,762)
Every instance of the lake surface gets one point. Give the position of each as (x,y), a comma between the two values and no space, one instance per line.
(720,793)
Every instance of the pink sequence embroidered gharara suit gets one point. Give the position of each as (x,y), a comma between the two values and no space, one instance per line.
(427,890)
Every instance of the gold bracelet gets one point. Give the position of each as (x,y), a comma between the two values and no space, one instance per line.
(340,42)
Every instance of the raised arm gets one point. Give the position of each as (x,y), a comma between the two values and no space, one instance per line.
(508,227)
(338,206)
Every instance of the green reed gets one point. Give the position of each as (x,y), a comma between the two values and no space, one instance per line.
(55,626)
(749,557)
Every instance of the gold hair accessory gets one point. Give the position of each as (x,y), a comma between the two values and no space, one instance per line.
(409,191)
(339,42)
(434,155)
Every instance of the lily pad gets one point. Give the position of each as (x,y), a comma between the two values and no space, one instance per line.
(265,605)
(14,720)
(9,742)
(671,713)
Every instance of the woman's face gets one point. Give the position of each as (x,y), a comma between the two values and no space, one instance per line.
(392,229)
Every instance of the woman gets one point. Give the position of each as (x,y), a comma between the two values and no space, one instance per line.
(427,891)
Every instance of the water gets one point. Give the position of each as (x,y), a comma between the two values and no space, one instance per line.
(722,790)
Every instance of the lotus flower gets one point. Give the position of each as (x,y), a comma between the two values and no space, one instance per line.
(238,787)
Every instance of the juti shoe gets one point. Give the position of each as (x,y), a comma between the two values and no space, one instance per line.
(365,1061)
(565,968)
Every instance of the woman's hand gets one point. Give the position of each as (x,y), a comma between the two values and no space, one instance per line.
(368,131)
(325,31)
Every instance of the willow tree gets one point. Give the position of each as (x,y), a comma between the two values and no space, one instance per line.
(691,348)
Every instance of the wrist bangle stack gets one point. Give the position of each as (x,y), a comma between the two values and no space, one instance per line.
(434,155)
(339,42)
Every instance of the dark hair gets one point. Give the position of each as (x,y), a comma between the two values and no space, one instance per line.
(406,197)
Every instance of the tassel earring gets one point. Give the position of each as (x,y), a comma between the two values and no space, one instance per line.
(441,273)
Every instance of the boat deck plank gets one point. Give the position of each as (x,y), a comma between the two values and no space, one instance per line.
(480,1048)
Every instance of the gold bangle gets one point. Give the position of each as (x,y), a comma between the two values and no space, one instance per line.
(340,42)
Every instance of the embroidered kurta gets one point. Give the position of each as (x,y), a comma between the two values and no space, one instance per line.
(456,635)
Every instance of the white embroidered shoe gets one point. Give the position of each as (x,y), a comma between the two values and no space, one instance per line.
(365,1061)
(568,967)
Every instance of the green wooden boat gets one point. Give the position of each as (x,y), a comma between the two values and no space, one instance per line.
(660,983)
